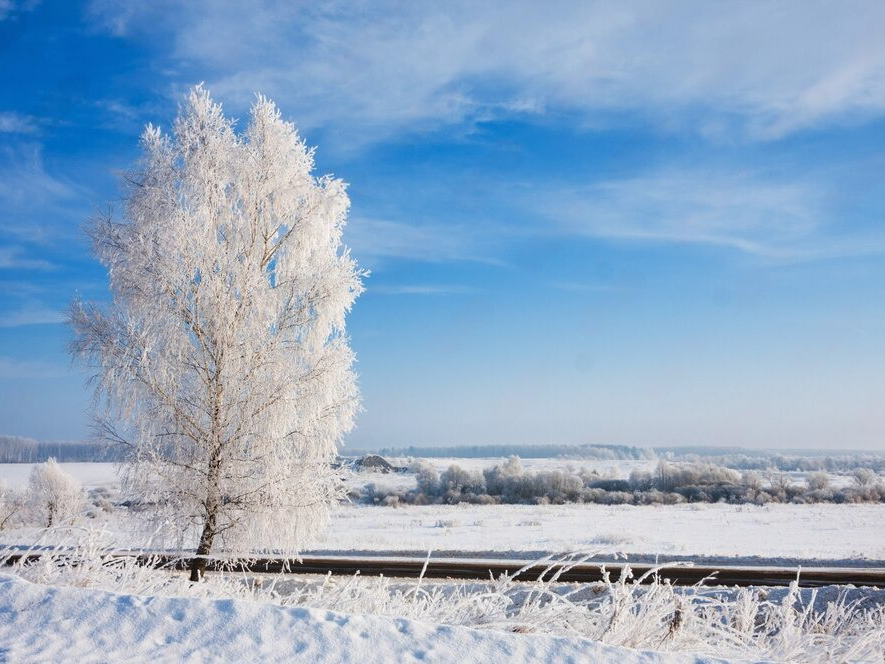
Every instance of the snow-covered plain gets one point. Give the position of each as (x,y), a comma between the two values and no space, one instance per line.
(821,531)
(52,624)
(800,532)
(90,475)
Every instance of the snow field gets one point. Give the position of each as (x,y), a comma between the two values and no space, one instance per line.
(806,532)
(54,624)
(824,531)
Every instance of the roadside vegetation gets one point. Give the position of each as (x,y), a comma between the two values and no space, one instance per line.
(646,612)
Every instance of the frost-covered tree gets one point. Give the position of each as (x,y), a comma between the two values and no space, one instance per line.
(53,496)
(223,361)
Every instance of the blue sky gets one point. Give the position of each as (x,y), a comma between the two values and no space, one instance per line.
(642,223)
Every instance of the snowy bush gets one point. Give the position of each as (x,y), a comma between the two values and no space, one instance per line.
(101,498)
(818,481)
(426,477)
(390,501)
(641,480)
(53,496)
(455,481)
(865,476)
(12,504)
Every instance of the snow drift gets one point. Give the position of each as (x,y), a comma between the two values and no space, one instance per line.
(50,624)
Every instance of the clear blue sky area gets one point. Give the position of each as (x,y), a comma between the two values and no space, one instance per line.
(643,223)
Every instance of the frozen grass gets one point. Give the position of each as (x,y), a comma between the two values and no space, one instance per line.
(742,623)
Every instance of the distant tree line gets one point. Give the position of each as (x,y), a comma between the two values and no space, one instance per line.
(595,452)
(18,449)
(668,483)
(838,463)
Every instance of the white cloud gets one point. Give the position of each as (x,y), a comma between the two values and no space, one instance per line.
(31,315)
(589,287)
(424,289)
(746,212)
(373,240)
(37,207)
(11,367)
(16,123)
(13,258)
(371,71)
(9,8)
(25,180)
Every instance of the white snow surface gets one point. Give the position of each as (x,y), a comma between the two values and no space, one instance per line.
(90,475)
(820,531)
(53,624)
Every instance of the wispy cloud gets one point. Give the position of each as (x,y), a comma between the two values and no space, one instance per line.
(11,367)
(757,215)
(423,289)
(9,9)
(26,180)
(14,258)
(16,123)
(33,314)
(374,240)
(37,207)
(371,70)
(588,287)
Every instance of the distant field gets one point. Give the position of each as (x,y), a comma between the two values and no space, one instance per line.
(772,531)
(90,475)
(820,531)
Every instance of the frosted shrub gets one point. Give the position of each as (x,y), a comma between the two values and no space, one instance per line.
(427,478)
(865,476)
(781,486)
(53,496)
(818,481)
(752,480)
(641,480)
(456,481)
(101,498)
(12,504)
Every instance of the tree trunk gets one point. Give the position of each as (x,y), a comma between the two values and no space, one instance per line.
(213,474)
(198,563)
(213,502)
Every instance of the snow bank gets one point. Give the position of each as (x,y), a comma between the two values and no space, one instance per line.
(52,624)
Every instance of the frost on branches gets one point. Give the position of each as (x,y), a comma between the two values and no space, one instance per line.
(223,361)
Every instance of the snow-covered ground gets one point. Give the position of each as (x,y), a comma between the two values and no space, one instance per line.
(825,531)
(805,532)
(52,624)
